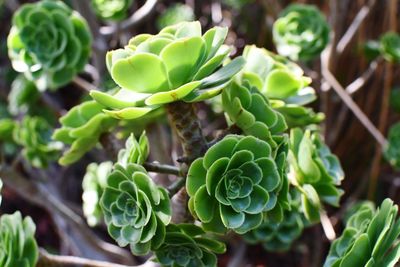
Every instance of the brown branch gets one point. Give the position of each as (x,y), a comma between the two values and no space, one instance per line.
(48,260)
(354,26)
(358,83)
(162,168)
(384,111)
(346,98)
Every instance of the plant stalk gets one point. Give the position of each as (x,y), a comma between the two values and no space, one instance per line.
(186,125)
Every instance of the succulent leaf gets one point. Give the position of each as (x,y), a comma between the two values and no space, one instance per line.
(135,209)
(17,242)
(156,69)
(185,245)
(369,239)
(315,171)
(238,179)
(390,46)
(392,151)
(1,186)
(175,14)
(81,128)
(134,151)
(279,236)
(49,43)
(301,32)
(251,111)
(93,184)
(22,96)
(113,10)
(33,133)
(282,82)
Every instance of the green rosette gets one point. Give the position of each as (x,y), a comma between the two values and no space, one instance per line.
(135,151)
(301,32)
(370,239)
(236,182)
(17,241)
(175,14)
(1,186)
(282,82)
(390,46)
(81,128)
(185,245)
(392,148)
(135,209)
(153,70)
(113,10)
(48,42)
(247,108)
(93,184)
(34,135)
(23,96)
(315,171)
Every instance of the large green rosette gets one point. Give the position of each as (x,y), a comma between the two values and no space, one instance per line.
(301,32)
(153,70)
(236,182)
(48,42)
(135,209)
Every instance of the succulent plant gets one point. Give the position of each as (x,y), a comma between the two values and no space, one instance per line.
(134,151)
(301,32)
(175,14)
(34,133)
(93,184)
(153,70)
(49,43)
(236,181)
(250,111)
(236,4)
(392,149)
(395,99)
(282,82)
(390,46)
(315,171)
(135,209)
(1,186)
(81,128)
(17,243)
(370,239)
(114,10)
(7,125)
(22,96)
(279,236)
(372,49)
(185,245)
(296,115)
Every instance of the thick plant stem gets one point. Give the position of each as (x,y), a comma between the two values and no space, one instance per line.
(183,119)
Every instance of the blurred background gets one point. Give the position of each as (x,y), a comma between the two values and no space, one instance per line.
(375,86)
